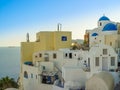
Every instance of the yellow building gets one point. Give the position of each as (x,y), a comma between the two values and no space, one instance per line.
(112,40)
(86,39)
(45,40)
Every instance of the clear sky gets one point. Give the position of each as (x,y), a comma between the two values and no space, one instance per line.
(17,17)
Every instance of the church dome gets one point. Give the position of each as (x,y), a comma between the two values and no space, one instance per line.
(104,18)
(94,34)
(110,27)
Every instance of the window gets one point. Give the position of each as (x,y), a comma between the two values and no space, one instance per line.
(104,51)
(40,55)
(25,74)
(64,38)
(70,55)
(97,61)
(46,58)
(66,55)
(112,61)
(54,55)
(100,24)
(88,62)
(43,67)
(31,75)
(110,43)
(36,76)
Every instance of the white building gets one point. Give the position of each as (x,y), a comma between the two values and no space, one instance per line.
(66,69)
(105,27)
(107,32)
(70,66)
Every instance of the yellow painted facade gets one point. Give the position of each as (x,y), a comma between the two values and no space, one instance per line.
(27,49)
(58,43)
(45,41)
(113,40)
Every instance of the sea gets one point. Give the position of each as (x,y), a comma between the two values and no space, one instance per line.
(10,62)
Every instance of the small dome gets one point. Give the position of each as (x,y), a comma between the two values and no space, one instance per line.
(104,18)
(94,34)
(110,27)
(102,81)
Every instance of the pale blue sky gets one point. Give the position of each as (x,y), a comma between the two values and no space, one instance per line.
(17,17)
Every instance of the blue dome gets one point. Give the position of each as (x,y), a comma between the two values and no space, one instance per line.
(104,18)
(110,27)
(94,34)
